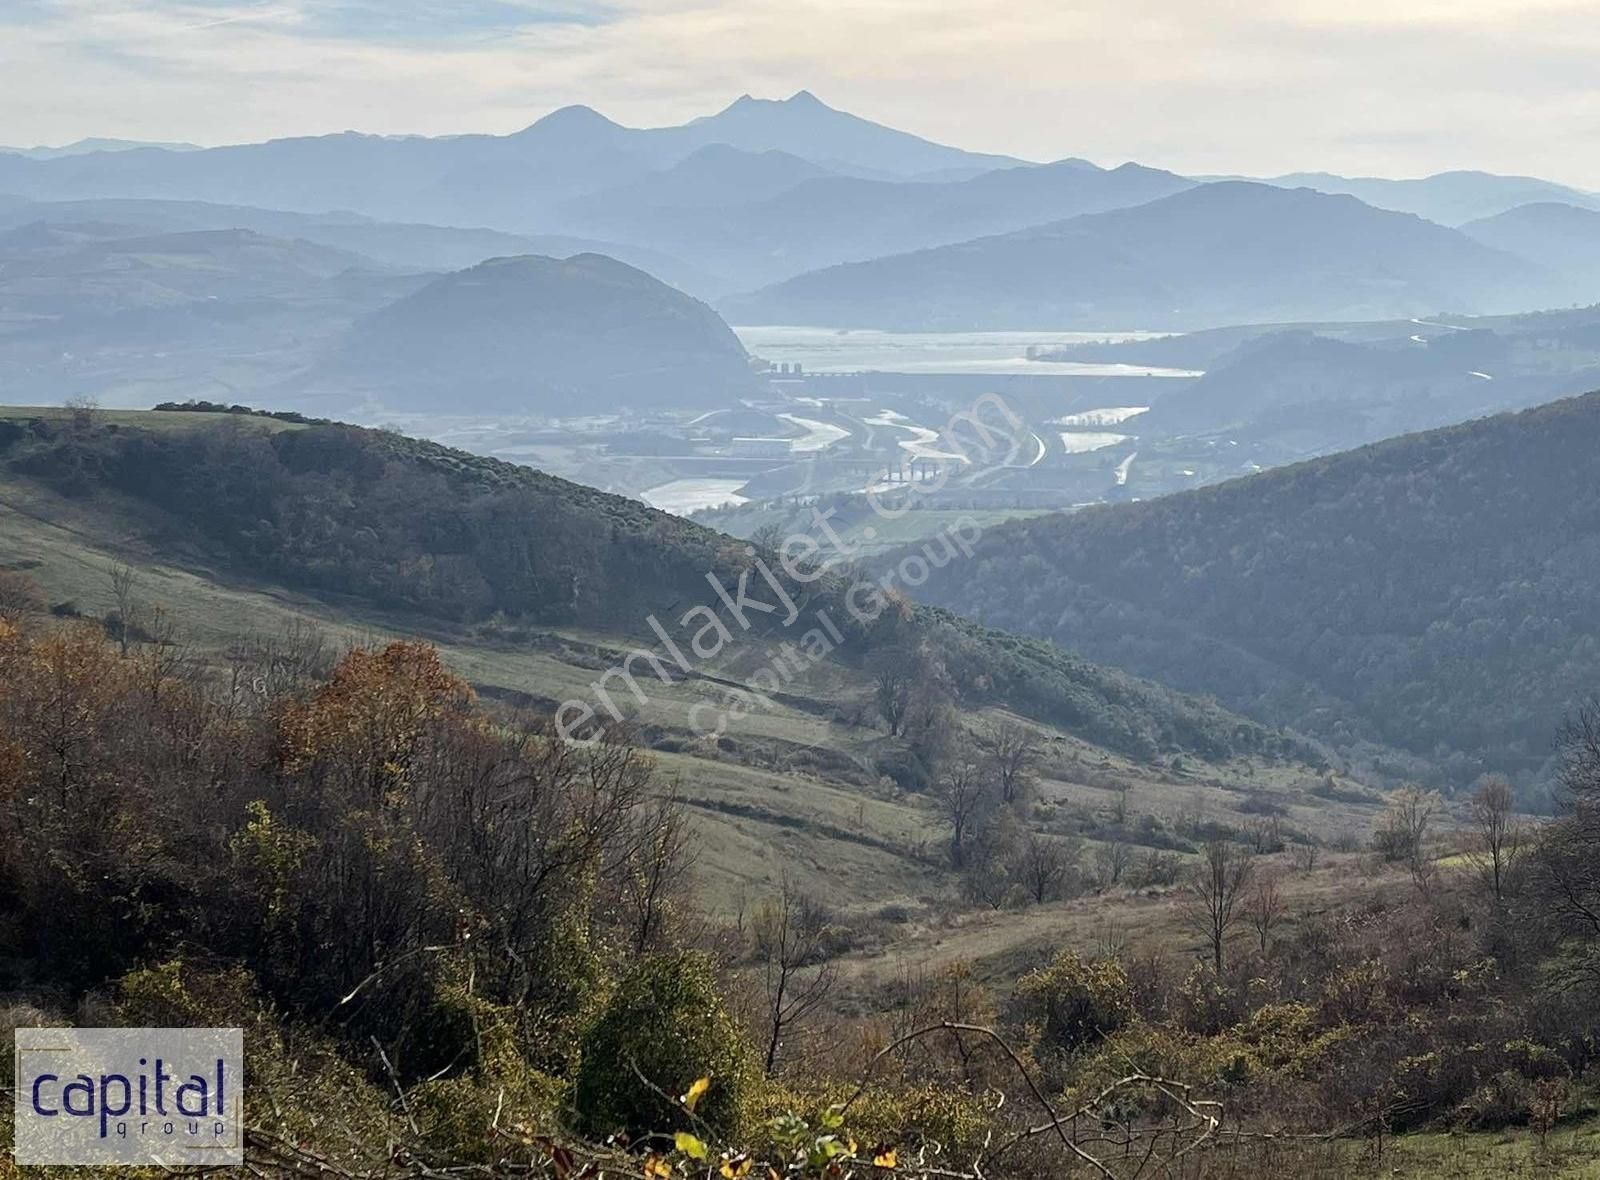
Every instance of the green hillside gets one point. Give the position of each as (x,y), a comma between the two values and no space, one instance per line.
(1438,592)
(412,526)
(372,837)
(532,588)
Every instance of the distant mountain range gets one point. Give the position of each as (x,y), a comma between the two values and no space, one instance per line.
(1438,593)
(84,306)
(1227,252)
(84,147)
(577,181)
(758,193)
(805,126)
(1450,198)
(108,309)
(114,312)
(98,269)
(511,182)
(779,212)
(825,220)
(410,246)
(712,178)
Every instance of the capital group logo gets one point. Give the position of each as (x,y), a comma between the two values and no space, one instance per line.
(164,1096)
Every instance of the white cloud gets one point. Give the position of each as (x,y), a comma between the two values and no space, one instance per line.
(1208,85)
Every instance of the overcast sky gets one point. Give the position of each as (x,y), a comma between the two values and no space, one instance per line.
(1379,87)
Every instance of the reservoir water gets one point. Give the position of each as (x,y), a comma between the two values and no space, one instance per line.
(834,350)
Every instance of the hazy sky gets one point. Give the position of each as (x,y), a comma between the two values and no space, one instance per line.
(1391,87)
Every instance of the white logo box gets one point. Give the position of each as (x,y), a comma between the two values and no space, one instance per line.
(165,1096)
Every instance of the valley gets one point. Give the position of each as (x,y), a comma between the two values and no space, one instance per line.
(735,641)
(827,790)
(801,774)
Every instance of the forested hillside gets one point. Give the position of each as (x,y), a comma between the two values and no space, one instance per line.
(487,949)
(1438,592)
(412,526)
(461,947)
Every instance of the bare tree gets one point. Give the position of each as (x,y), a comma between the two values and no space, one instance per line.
(122,580)
(1112,860)
(1424,872)
(790,930)
(1402,830)
(987,881)
(930,723)
(1580,756)
(1565,861)
(1264,907)
(83,409)
(1011,753)
(769,537)
(894,683)
(1499,835)
(1191,815)
(19,595)
(1266,834)
(989,859)
(168,656)
(1544,1111)
(271,667)
(964,795)
(1566,873)
(1305,855)
(1045,864)
(657,870)
(1157,867)
(1119,809)
(1211,906)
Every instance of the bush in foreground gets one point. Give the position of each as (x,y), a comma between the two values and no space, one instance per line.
(664,1027)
